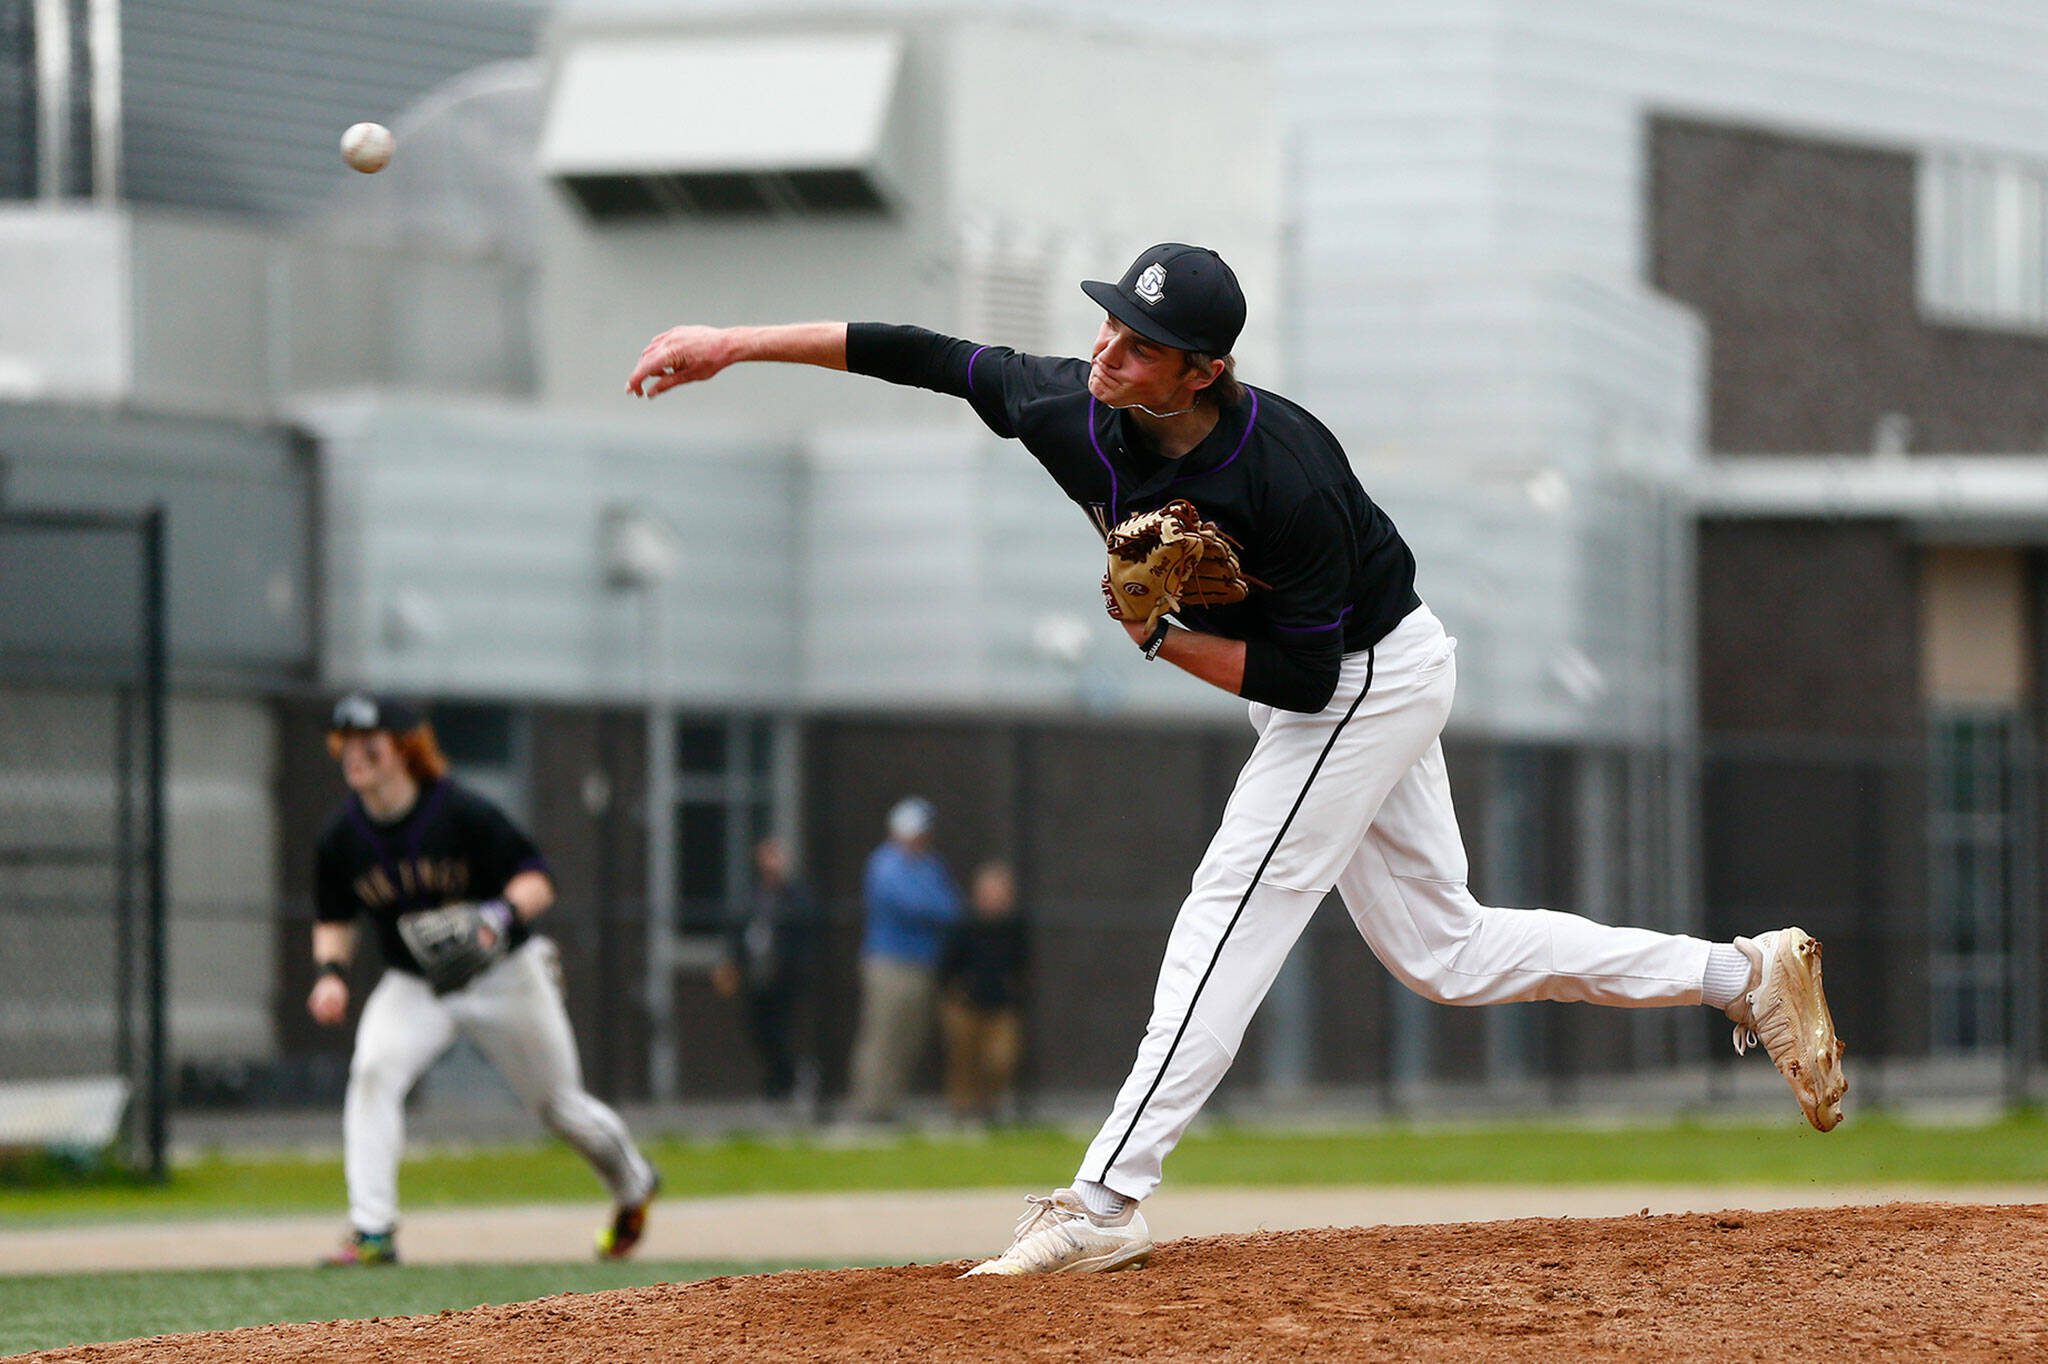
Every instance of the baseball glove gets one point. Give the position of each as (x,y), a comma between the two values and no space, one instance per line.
(1162,560)
(451,944)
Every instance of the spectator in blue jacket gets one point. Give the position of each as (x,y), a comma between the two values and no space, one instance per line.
(911,902)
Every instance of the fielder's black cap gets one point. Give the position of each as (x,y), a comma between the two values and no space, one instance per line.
(1178,295)
(362,710)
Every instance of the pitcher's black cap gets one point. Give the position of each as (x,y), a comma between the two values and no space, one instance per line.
(362,710)
(1178,295)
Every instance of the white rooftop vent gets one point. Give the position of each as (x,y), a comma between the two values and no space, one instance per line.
(655,126)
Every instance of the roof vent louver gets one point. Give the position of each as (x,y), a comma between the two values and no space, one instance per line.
(791,125)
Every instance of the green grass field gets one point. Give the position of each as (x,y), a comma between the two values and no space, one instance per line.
(1870,1149)
(43,1311)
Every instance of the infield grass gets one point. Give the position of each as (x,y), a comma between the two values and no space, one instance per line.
(1869,1149)
(41,1312)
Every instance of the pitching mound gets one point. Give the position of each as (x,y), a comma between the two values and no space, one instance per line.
(1904,1280)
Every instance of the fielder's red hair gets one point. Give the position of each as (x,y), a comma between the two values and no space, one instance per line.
(417,749)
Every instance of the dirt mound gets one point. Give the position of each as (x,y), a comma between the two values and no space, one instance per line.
(1923,1280)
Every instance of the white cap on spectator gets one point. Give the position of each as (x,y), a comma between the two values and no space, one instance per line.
(911,818)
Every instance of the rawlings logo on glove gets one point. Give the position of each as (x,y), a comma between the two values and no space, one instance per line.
(455,944)
(1162,560)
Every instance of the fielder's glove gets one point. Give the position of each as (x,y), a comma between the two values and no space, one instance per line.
(1162,560)
(451,944)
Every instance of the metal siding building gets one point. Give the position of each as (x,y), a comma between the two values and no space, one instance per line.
(235,106)
(1442,209)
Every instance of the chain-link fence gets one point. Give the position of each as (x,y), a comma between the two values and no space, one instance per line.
(82,663)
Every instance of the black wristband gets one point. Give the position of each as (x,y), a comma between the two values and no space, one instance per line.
(1152,645)
(338,969)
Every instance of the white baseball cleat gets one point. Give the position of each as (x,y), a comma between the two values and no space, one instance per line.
(1057,1236)
(1786,1010)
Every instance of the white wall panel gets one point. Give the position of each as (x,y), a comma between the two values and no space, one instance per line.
(64,330)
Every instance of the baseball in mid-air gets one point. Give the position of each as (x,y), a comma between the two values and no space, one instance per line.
(368,146)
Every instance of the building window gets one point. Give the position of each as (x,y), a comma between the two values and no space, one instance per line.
(728,786)
(1983,240)
(488,746)
(1972,857)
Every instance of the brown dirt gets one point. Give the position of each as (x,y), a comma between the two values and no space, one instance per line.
(1920,1280)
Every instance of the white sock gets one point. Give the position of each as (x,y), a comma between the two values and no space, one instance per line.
(1728,970)
(1101,1201)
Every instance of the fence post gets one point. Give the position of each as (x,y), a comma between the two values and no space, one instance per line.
(2023,953)
(153,679)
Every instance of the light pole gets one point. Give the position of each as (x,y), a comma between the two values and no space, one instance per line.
(639,551)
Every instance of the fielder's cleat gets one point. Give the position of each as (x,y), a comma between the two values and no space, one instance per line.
(1057,1236)
(365,1249)
(615,1240)
(1787,1011)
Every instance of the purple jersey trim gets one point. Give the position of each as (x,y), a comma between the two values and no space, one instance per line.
(1249,422)
(970,366)
(1096,441)
(1312,629)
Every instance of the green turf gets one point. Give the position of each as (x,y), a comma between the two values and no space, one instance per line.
(44,1311)
(1868,1149)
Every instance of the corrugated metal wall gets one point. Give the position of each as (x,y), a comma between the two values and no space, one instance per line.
(17,100)
(238,105)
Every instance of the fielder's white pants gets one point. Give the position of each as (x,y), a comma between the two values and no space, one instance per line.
(1356,797)
(513,1013)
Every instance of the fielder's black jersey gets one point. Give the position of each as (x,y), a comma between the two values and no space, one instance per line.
(1334,576)
(453,845)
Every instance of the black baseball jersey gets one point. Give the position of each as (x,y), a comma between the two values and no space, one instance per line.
(1333,574)
(453,845)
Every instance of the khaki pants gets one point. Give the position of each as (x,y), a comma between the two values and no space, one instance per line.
(895,1026)
(982,1047)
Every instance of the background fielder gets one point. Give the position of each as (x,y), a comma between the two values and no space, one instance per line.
(410,838)
(1350,679)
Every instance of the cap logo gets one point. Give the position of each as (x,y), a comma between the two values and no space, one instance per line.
(355,712)
(1151,285)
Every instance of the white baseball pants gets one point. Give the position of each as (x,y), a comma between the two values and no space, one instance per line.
(1355,796)
(514,1014)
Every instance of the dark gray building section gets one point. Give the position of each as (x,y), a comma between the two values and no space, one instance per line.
(18,112)
(1813,777)
(238,105)
(1798,254)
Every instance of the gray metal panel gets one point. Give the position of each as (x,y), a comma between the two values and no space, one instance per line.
(466,556)
(17,101)
(239,104)
(239,514)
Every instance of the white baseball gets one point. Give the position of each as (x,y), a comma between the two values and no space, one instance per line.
(368,146)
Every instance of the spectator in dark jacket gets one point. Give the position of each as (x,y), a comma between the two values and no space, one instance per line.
(981,999)
(770,965)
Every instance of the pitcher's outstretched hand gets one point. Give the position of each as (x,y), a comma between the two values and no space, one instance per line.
(680,355)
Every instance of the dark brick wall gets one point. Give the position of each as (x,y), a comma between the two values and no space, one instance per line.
(1799,256)
(1809,627)
(1813,785)
(589,816)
